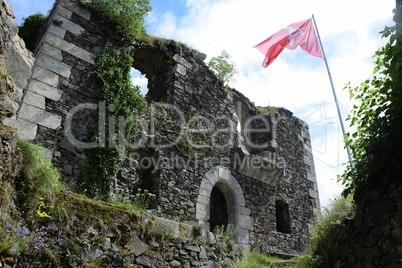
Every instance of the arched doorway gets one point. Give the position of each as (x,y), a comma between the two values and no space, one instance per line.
(219,211)
(220,191)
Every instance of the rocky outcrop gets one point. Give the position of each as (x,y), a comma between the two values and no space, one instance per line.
(83,233)
(16,62)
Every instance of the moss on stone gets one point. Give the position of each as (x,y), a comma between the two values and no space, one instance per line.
(269,110)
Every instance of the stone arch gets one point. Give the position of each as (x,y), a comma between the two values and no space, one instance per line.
(238,214)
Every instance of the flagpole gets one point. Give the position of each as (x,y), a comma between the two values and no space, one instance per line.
(333,89)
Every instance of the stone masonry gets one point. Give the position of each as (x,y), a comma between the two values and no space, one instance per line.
(262,181)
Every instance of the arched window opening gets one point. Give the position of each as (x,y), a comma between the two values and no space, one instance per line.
(138,79)
(219,212)
(282,217)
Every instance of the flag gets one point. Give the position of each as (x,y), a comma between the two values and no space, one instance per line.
(297,34)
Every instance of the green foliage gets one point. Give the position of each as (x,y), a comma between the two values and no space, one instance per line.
(374,145)
(304,261)
(114,87)
(112,75)
(223,68)
(254,259)
(38,178)
(29,29)
(150,39)
(268,110)
(41,211)
(139,203)
(227,232)
(322,239)
(196,232)
(127,16)
(143,199)
(57,22)
(16,238)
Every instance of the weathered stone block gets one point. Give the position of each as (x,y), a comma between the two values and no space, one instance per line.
(182,61)
(69,25)
(53,65)
(45,76)
(202,212)
(52,52)
(26,130)
(34,99)
(224,173)
(180,69)
(56,30)
(39,116)
(77,9)
(243,211)
(45,90)
(69,48)
(245,222)
(313,194)
(63,12)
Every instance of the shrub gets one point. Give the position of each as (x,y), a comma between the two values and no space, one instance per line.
(377,119)
(322,239)
(227,232)
(29,29)
(222,67)
(127,16)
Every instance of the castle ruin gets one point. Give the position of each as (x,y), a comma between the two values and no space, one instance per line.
(258,176)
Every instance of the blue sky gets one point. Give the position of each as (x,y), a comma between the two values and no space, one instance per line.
(296,80)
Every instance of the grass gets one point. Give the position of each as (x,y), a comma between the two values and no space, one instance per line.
(254,259)
(322,239)
(150,39)
(268,110)
(39,180)
(38,172)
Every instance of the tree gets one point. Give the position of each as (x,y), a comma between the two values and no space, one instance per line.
(29,29)
(377,143)
(223,68)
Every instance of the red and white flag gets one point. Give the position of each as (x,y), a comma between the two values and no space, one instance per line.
(297,34)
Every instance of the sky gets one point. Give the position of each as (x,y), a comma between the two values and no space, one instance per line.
(349,32)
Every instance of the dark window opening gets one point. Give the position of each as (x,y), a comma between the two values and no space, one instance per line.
(147,179)
(219,212)
(282,217)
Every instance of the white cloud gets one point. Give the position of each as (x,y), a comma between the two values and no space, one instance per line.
(295,80)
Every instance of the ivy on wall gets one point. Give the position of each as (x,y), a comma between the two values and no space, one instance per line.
(114,87)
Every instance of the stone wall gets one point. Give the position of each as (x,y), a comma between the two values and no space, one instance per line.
(266,176)
(373,238)
(252,181)
(57,106)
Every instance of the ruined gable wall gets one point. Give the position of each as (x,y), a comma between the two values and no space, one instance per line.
(180,176)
